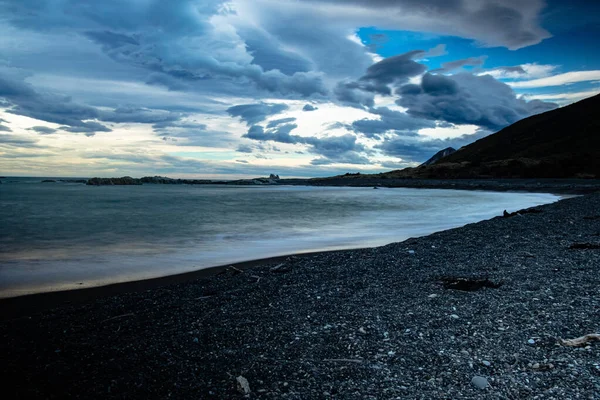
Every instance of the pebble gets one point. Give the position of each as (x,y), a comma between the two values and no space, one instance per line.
(411,252)
(362,330)
(242,385)
(479,382)
(531,341)
(432,296)
(486,363)
(454,316)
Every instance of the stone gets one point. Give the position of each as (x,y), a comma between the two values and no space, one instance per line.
(479,382)
(531,341)
(454,316)
(486,363)
(242,385)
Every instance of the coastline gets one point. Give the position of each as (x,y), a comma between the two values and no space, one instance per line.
(367,323)
(31,303)
(58,293)
(27,304)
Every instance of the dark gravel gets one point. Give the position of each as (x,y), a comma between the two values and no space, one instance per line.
(377,323)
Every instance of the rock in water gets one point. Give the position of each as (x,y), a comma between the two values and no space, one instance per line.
(479,382)
(242,385)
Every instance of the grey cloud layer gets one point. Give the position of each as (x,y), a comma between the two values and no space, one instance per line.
(333,149)
(468,99)
(510,23)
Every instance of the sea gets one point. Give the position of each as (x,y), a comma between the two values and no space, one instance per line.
(58,236)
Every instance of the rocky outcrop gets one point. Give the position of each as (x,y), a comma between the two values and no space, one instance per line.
(439,155)
(125,180)
(163,180)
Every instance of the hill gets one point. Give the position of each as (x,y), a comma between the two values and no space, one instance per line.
(562,143)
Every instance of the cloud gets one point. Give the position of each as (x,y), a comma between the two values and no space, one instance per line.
(558,80)
(350,94)
(333,149)
(279,134)
(465,62)
(523,71)
(467,99)
(25,100)
(509,23)
(140,115)
(255,113)
(396,69)
(309,107)
(244,148)
(437,51)
(563,98)
(276,122)
(389,120)
(5,129)
(44,130)
(17,141)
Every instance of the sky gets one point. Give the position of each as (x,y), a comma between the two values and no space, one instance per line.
(299,88)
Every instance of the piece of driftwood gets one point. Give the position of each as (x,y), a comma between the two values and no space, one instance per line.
(580,341)
(585,246)
(468,284)
(506,214)
(118,316)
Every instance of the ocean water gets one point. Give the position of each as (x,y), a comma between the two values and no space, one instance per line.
(56,236)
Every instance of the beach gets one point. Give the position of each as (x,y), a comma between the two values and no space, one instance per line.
(386,322)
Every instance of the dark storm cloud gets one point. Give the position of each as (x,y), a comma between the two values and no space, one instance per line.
(468,99)
(5,129)
(44,130)
(24,100)
(394,69)
(389,120)
(349,94)
(268,54)
(309,107)
(177,39)
(254,113)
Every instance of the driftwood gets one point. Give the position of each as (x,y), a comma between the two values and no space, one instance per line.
(580,341)
(118,316)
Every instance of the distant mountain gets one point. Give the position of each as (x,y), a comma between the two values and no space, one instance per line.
(562,143)
(439,155)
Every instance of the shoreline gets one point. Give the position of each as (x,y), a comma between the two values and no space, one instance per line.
(546,185)
(33,303)
(383,322)
(20,304)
